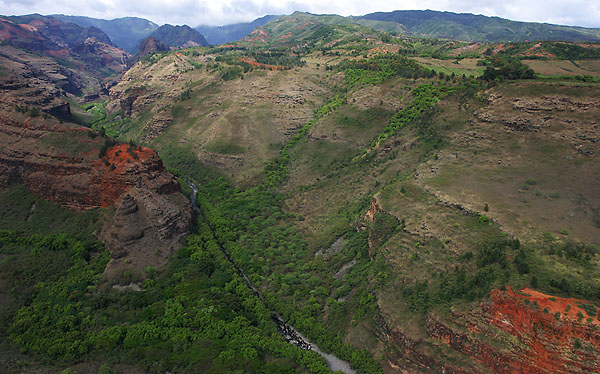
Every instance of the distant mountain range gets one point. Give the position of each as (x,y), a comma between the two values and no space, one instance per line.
(127,33)
(478,28)
(89,48)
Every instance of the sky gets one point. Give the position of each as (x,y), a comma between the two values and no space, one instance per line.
(220,12)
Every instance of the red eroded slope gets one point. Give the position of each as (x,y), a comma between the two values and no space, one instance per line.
(260,65)
(124,167)
(557,343)
(531,336)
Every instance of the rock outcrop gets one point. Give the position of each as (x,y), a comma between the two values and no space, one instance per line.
(48,36)
(148,46)
(60,163)
(525,332)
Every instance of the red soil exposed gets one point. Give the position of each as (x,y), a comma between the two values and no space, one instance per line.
(384,49)
(60,53)
(551,341)
(498,48)
(262,66)
(567,307)
(120,163)
(300,27)
(11,31)
(537,51)
(123,154)
(584,45)
(536,341)
(259,35)
(28,27)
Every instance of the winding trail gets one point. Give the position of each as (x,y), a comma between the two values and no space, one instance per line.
(290,334)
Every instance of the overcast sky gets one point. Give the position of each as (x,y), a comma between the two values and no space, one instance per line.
(220,12)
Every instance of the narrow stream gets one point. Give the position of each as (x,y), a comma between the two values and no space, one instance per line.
(290,334)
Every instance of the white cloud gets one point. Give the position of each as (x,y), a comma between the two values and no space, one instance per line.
(194,12)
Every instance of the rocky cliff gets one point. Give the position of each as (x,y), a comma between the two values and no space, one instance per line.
(88,47)
(511,332)
(148,46)
(61,163)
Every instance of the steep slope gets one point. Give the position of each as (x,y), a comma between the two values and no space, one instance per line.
(230,33)
(470,27)
(67,41)
(179,36)
(75,168)
(232,124)
(148,46)
(60,163)
(126,33)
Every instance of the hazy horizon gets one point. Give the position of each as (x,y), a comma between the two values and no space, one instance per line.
(583,13)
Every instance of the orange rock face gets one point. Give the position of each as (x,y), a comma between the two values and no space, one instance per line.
(124,167)
(557,340)
(532,337)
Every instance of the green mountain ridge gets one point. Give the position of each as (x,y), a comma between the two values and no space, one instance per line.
(179,36)
(470,27)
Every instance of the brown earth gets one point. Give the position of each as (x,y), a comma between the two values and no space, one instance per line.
(233,126)
(531,154)
(565,67)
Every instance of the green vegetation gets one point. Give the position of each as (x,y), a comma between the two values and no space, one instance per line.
(153,58)
(21,211)
(384,227)
(379,69)
(571,51)
(225,148)
(276,171)
(500,68)
(425,96)
(276,57)
(471,27)
(30,111)
(491,269)
(232,73)
(180,321)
